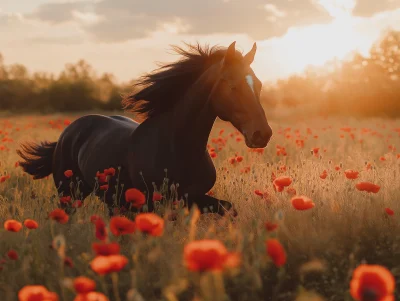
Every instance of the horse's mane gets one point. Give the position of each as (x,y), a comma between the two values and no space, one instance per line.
(158,91)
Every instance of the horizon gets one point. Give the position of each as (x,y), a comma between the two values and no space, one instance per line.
(45,35)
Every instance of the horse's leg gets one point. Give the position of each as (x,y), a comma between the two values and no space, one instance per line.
(208,204)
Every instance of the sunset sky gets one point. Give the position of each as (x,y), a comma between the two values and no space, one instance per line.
(127,37)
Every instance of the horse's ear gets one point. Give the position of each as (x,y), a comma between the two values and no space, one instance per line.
(230,54)
(249,58)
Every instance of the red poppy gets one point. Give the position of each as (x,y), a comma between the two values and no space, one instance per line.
(157,196)
(108,264)
(135,197)
(281,182)
(368,187)
(389,211)
(68,262)
(291,191)
(68,173)
(271,226)
(92,296)
(12,254)
(12,225)
(84,285)
(150,223)
(302,203)
(239,159)
(94,218)
(120,225)
(276,251)
(31,224)
(109,171)
(372,282)
(101,177)
(65,199)
(207,255)
(106,249)
(351,174)
(36,293)
(104,187)
(323,175)
(59,216)
(101,232)
(77,204)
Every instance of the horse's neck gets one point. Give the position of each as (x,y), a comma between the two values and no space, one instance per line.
(193,116)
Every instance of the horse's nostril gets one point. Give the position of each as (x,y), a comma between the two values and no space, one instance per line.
(257,137)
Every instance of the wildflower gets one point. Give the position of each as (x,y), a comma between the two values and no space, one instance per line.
(12,225)
(91,296)
(135,197)
(65,199)
(108,264)
(150,223)
(31,224)
(36,293)
(120,225)
(372,282)
(94,218)
(271,226)
(351,174)
(84,285)
(157,196)
(77,204)
(302,203)
(276,251)
(68,173)
(12,254)
(101,233)
(109,171)
(208,255)
(68,262)
(389,211)
(104,187)
(368,187)
(59,216)
(281,182)
(106,249)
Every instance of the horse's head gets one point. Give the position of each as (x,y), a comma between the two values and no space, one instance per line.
(236,97)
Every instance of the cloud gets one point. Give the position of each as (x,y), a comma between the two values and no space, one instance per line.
(122,20)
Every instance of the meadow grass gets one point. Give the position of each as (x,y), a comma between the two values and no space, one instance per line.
(346,227)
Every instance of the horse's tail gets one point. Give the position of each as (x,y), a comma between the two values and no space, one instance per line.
(38,158)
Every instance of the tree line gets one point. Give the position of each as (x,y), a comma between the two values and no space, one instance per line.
(360,86)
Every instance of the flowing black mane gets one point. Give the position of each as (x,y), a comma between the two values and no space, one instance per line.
(158,91)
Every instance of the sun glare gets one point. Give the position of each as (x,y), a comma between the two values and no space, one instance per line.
(316,44)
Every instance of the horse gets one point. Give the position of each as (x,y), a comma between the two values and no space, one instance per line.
(179,103)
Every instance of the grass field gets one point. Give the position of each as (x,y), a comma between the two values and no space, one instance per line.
(323,245)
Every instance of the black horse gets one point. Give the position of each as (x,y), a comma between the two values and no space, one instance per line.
(180,102)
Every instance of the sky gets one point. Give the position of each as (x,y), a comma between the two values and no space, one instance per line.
(129,37)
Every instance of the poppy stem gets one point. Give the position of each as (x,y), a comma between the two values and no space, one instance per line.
(114,278)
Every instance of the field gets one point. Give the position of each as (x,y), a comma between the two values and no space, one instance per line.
(323,245)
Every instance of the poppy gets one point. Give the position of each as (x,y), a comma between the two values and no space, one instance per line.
(31,224)
(68,173)
(65,199)
(84,285)
(276,251)
(77,204)
(120,225)
(368,187)
(36,292)
(372,282)
(59,216)
(291,191)
(389,211)
(94,218)
(104,187)
(157,196)
(323,175)
(106,249)
(108,264)
(91,296)
(12,225)
(208,255)
(302,203)
(271,226)
(150,223)
(281,182)
(12,254)
(101,233)
(109,171)
(135,197)
(68,262)
(101,177)
(351,174)
(239,159)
